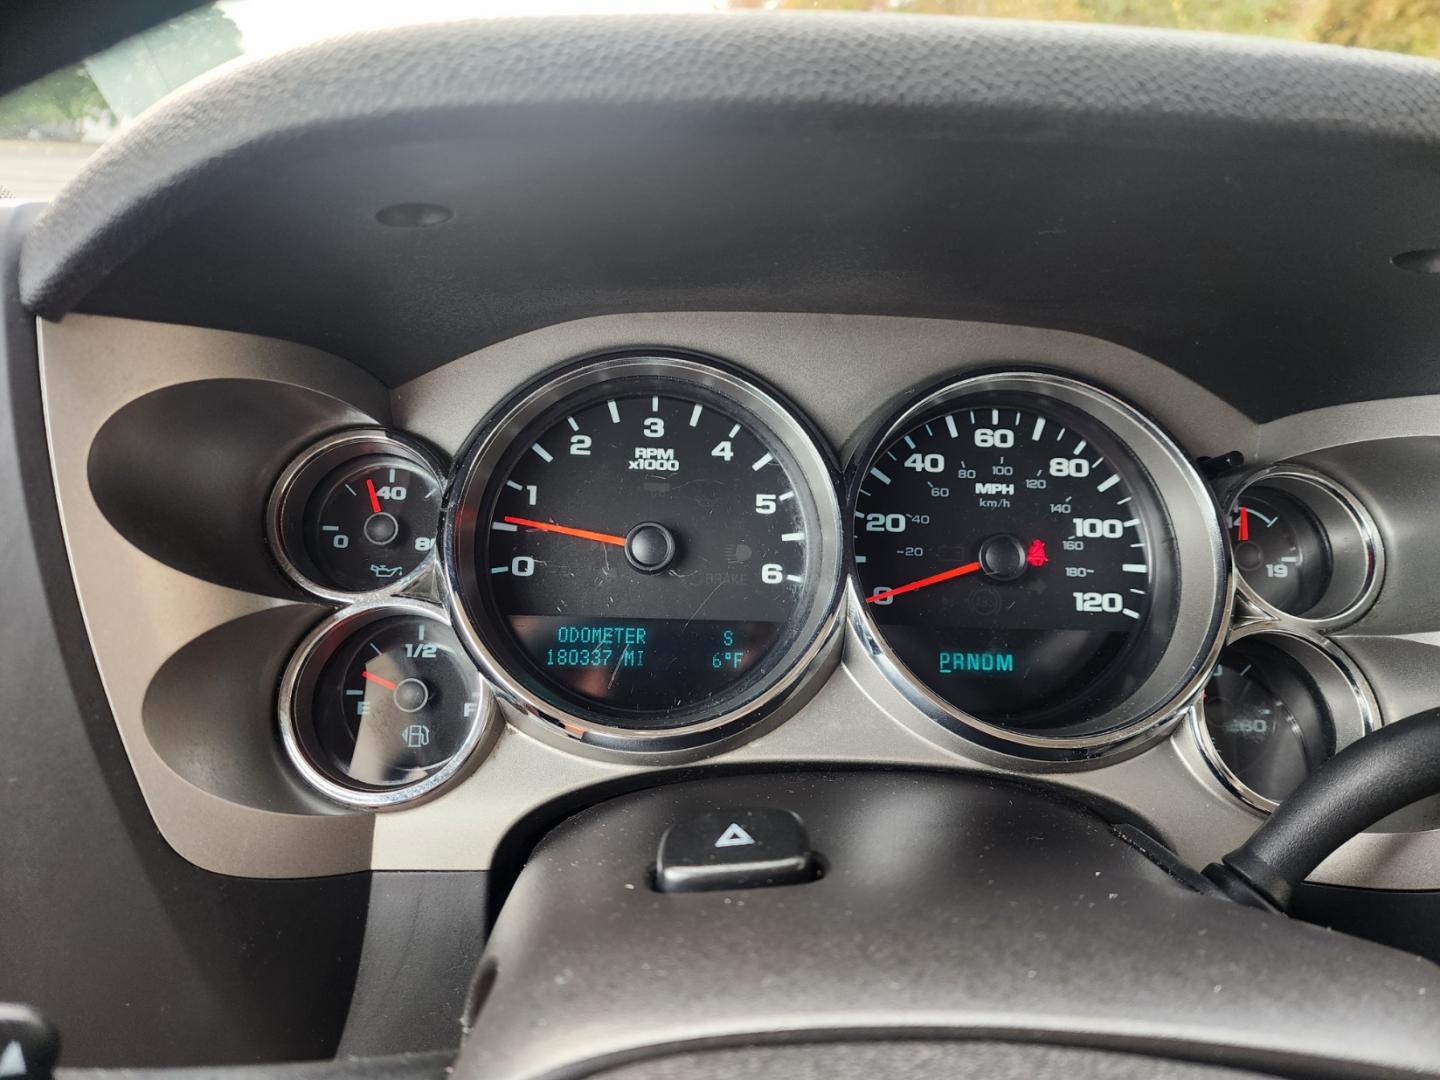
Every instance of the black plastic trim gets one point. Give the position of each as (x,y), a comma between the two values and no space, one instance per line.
(1229,206)
(1369,780)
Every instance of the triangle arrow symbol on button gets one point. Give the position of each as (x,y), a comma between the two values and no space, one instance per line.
(12,1060)
(734,836)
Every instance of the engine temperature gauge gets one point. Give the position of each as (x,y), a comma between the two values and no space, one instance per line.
(381,705)
(356,515)
(1266,721)
(1278,704)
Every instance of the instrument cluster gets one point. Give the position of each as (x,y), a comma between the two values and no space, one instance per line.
(656,555)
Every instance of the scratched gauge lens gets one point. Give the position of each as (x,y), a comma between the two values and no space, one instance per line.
(381,704)
(372,522)
(356,515)
(1012,554)
(655,546)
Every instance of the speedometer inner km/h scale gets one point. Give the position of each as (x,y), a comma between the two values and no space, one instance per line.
(1012,553)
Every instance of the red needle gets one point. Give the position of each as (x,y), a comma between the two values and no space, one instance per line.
(565,530)
(374,498)
(378,679)
(933,579)
(1244,524)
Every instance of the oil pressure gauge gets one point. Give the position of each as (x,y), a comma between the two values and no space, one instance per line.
(354,517)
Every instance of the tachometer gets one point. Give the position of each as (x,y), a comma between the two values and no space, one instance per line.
(1038,557)
(646,550)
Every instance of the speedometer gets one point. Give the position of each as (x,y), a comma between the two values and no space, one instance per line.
(648,552)
(1036,560)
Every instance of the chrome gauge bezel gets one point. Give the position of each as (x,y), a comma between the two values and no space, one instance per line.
(299,680)
(1354,710)
(1203,564)
(809,657)
(1350,531)
(284,512)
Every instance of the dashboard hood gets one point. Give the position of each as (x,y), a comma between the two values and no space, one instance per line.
(1229,206)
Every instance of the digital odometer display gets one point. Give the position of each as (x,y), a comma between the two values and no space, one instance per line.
(646,553)
(1015,558)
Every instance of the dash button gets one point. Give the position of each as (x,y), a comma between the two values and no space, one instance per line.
(735,849)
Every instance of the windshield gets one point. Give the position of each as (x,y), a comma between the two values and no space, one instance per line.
(49,128)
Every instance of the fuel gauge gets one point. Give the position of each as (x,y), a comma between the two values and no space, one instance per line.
(381,705)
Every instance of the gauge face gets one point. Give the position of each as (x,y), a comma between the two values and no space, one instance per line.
(1280,550)
(356,515)
(387,704)
(1010,553)
(1305,547)
(372,522)
(1013,555)
(649,552)
(1266,720)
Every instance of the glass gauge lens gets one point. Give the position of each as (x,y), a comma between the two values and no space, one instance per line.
(1266,720)
(1016,559)
(394,702)
(356,514)
(371,522)
(1280,549)
(648,552)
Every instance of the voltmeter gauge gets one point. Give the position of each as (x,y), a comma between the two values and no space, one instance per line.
(381,705)
(1281,550)
(1035,562)
(355,516)
(1305,548)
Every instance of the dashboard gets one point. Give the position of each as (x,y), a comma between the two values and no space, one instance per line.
(528,572)
(462,472)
